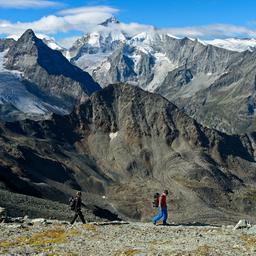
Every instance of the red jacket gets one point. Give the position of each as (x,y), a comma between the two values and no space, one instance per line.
(163,203)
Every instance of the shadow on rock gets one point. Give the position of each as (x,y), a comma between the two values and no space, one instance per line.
(194,224)
(105,214)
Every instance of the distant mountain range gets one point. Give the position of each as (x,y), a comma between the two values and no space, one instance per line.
(216,86)
(210,83)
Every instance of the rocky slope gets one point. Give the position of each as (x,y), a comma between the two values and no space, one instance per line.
(16,207)
(42,81)
(124,144)
(227,103)
(204,80)
(123,239)
(6,44)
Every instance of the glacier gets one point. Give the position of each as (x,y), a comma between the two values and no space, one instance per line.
(13,92)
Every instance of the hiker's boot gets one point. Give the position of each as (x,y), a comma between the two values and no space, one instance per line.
(164,223)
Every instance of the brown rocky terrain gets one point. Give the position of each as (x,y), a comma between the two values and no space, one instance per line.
(125,144)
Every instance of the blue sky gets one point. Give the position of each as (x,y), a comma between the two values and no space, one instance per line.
(194,18)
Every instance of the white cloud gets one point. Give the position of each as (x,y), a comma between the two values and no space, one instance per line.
(67,42)
(79,19)
(133,28)
(20,4)
(88,10)
(86,19)
(214,30)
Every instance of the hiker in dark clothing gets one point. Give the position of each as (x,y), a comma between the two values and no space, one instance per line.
(163,209)
(77,208)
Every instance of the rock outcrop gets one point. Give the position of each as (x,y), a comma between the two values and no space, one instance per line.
(2,212)
(5,44)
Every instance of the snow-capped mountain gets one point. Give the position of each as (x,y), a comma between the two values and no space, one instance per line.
(49,41)
(144,59)
(194,74)
(91,50)
(109,21)
(14,93)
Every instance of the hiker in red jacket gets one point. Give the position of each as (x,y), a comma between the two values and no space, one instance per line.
(163,209)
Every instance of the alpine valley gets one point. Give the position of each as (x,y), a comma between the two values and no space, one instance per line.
(120,117)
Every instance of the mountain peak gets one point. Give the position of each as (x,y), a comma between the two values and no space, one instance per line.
(27,36)
(111,20)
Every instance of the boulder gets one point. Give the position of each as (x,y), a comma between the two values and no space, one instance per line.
(38,221)
(252,230)
(2,212)
(242,224)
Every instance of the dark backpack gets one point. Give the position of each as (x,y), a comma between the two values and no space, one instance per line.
(72,203)
(156,198)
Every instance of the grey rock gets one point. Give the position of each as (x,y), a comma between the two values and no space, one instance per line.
(6,44)
(14,226)
(252,230)
(38,221)
(242,224)
(2,212)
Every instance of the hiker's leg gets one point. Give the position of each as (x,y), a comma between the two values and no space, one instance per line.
(165,214)
(158,217)
(74,219)
(81,216)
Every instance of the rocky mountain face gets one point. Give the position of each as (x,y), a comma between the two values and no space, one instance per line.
(125,143)
(228,103)
(204,80)
(99,42)
(36,80)
(6,44)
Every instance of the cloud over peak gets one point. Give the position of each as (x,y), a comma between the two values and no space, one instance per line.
(78,19)
(212,30)
(86,19)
